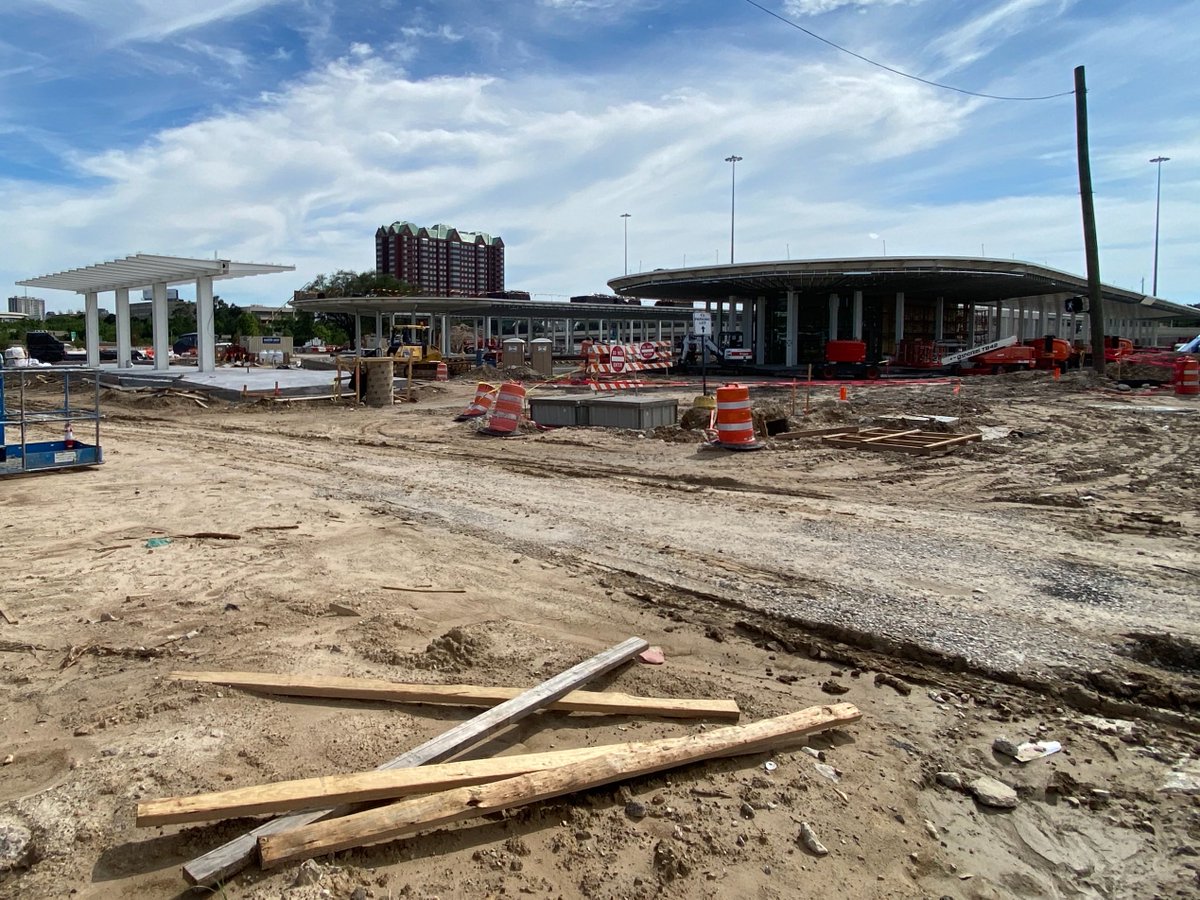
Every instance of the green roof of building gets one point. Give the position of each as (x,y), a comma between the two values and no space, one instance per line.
(441,232)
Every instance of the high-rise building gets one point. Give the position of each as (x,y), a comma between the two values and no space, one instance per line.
(441,260)
(31,307)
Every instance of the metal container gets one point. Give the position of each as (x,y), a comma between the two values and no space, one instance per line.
(558,412)
(639,413)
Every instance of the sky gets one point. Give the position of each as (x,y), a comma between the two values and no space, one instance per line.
(288,131)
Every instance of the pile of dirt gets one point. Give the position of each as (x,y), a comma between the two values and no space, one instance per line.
(502,373)
(454,651)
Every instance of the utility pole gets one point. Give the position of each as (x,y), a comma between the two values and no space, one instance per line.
(1090,244)
(733,160)
(1159,160)
(625,216)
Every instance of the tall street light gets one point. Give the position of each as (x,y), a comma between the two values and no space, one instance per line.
(1158,160)
(625,216)
(732,198)
(879,237)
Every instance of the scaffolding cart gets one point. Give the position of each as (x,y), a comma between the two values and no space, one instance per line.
(40,410)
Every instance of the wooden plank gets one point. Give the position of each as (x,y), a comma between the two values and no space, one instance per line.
(230,858)
(889,435)
(957,439)
(421,813)
(359,787)
(815,432)
(611,702)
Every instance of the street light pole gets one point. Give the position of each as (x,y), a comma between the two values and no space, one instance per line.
(1158,160)
(732,198)
(625,216)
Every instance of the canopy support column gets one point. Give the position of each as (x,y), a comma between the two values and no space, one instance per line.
(124,344)
(899,318)
(159,325)
(939,319)
(792,315)
(858,316)
(206,337)
(91,305)
(834,302)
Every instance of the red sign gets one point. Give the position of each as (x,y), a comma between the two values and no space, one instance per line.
(616,358)
(648,351)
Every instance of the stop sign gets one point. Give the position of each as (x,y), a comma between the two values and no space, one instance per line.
(616,358)
(648,351)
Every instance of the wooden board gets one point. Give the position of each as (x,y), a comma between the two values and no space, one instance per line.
(611,702)
(231,857)
(923,443)
(421,813)
(814,432)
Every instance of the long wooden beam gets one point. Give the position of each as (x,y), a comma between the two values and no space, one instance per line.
(230,858)
(421,813)
(611,702)
(359,787)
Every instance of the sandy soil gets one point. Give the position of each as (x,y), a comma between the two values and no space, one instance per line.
(1037,585)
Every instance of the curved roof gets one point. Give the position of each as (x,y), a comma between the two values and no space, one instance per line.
(960,279)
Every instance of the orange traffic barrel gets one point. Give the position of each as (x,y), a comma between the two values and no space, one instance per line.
(506,414)
(443,371)
(480,405)
(735,421)
(1188,381)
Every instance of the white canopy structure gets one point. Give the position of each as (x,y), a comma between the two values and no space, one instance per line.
(156,272)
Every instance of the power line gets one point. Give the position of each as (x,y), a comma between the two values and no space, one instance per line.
(887,68)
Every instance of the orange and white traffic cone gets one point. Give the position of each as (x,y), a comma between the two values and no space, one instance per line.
(68,436)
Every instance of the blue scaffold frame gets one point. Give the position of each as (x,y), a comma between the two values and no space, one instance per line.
(18,415)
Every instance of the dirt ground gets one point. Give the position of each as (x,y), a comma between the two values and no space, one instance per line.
(1038,585)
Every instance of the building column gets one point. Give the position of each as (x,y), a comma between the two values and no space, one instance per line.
(379,344)
(358,335)
(206,337)
(858,316)
(792,309)
(899,318)
(444,343)
(91,316)
(939,319)
(124,345)
(996,326)
(760,325)
(159,328)
(529,331)
(969,328)
(834,302)
(748,320)
(1020,331)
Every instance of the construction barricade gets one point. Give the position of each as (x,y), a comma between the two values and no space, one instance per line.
(1188,381)
(480,405)
(508,409)
(735,418)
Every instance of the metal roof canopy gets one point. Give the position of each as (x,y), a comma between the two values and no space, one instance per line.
(143,269)
(475,307)
(958,279)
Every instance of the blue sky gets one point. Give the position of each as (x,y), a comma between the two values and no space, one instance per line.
(288,130)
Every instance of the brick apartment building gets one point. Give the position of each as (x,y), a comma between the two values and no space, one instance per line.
(441,260)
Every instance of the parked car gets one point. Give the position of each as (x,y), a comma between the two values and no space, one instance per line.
(46,347)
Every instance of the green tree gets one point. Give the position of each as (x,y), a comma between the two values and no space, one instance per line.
(336,328)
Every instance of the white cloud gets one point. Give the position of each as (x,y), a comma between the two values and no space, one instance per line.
(802,8)
(986,32)
(131,20)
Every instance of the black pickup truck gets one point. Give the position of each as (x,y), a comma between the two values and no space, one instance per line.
(45,347)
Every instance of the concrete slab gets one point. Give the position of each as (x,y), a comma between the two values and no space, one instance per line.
(227,382)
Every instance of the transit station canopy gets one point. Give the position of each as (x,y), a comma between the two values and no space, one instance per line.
(962,280)
(485,307)
(143,269)
(147,270)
